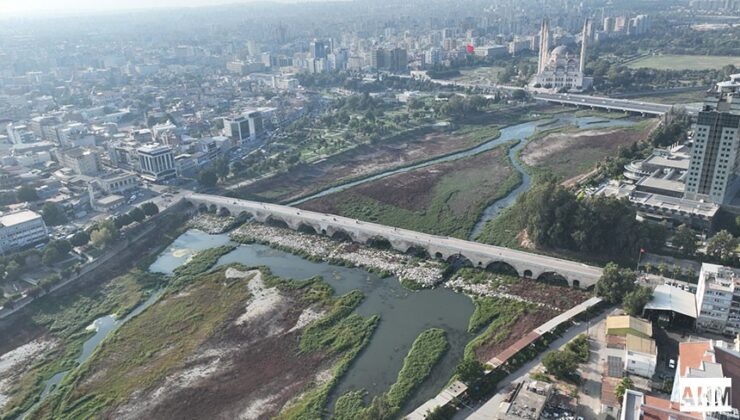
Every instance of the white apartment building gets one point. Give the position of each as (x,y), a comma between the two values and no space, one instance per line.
(21,229)
(714,172)
(156,162)
(81,161)
(718,299)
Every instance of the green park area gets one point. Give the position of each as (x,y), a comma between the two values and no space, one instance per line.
(684,62)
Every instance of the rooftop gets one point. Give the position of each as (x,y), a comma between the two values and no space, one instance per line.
(669,298)
(641,345)
(624,324)
(18,218)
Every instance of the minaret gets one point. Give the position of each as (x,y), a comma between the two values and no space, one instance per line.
(544,45)
(584,41)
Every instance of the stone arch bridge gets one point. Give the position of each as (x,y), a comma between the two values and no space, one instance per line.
(442,247)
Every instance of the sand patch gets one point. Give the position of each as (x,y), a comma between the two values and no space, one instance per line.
(306,317)
(264,300)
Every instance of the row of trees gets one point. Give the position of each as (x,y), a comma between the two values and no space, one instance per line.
(602,226)
(720,247)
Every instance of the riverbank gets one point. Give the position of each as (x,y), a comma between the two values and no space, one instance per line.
(442,199)
(409,270)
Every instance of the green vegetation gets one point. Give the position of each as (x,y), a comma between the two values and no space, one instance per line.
(684,62)
(27,193)
(499,314)
(622,387)
(447,199)
(561,364)
(723,246)
(615,283)
(203,261)
(65,317)
(579,347)
(636,300)
(426,351)
(53,214)
(470,371)
(155,342)
(597,226)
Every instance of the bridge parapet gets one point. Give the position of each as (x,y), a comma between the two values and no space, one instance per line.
(446,248)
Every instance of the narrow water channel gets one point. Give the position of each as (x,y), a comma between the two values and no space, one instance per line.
(404,314)
(513,132)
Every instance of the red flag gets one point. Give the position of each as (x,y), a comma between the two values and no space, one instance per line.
(471,49)
(642,250)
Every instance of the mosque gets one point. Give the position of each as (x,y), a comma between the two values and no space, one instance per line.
(561,68)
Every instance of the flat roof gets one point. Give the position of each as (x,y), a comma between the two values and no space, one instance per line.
(662,184)
(626,322)
(669,298)
(18,218)
(677,162)
(641,345)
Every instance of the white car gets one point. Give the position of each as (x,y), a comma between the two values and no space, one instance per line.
(672,363)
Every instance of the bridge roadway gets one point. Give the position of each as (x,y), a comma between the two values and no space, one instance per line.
(596,102)
(481,255)
(624,105)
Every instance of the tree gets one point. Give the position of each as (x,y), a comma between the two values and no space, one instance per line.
(53,215)
(51,255)
(101,237)
(208,178)
(149,208)
(560,363)
(136,214)
(470,370)
(722,245)
(622,387)
(685,240)
(123,220)
(27,193)
(615,282)
(635,301)
(13,271)
(80,238)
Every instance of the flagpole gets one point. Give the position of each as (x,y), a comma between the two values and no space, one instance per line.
(639,258)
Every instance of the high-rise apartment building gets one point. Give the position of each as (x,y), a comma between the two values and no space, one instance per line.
(714,172)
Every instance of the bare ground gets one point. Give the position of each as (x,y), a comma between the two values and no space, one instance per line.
(250,368)
(355,163)
(569,154)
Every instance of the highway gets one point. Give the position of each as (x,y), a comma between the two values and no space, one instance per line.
(603,102)
(474,251)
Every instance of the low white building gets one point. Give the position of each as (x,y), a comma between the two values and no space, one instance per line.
(641,356)
(21,229)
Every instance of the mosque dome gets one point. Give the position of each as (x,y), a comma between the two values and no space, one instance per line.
(561,51)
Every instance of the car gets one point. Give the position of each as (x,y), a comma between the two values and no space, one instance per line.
(672,363)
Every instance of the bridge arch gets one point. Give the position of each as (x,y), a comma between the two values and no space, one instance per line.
(224,212)
(459,261)
(212,209)
(502,267)
(341,235)
(527,274)
(551,277)
(276,222)
(304,227)
(202,208)
(379,242)
(418,251)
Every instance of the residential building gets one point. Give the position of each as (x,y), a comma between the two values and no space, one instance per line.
(714,172)
(641,356)
(718,299)
(526,402)
(709,359)
(21,229)
(117,181)
(20,134)
(81,161)
(156,162)
(638,406)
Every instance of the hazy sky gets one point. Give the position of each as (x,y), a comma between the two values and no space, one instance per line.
(51,7)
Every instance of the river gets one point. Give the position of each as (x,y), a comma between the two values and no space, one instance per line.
(513,132)
(404,314)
